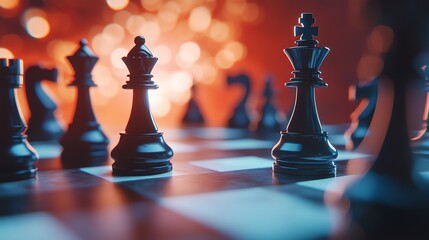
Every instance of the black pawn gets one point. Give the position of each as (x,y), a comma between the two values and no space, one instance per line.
(141,149)
(361,120)
(193,114)
(240,117)
(304,148)
(84,143)
(269,120)
(42,125)
(17,157)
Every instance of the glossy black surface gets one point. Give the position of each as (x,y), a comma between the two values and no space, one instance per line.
(17,157)
(304,148)
(141,149)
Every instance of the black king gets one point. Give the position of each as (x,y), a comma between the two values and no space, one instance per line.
(304,148)
(141,149)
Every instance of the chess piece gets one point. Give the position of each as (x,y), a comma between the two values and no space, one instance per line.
(193,114)
(240,117)
(17,157)
(269,120)
(421,141)
(362,116)
(391,200)
(42,125)
(84,143)
(304,148)
(141,149)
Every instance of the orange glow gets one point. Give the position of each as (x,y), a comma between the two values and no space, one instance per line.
(5,53)
(251,13)
(219,31)
(225,58)
(369,68)
(237,48)
(380,39)
(163,53)
(189,52)
(151,5)
(134,23)
(114,33)
(199,19)
(9,4)
(117,4)
(37,27)
(181,81)
(58,49)
(236,7)
(158,104)
(116,58)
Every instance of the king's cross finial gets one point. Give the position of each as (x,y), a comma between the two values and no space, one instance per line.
(306,30)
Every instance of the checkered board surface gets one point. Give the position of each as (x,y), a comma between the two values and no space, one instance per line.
(222,187)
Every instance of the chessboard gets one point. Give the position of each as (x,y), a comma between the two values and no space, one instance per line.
(221,187)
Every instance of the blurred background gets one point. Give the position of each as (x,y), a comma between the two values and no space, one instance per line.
(197,42)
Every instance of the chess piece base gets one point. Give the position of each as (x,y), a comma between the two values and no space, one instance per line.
(17,160)
(84,147)
(141,154)
(304,154)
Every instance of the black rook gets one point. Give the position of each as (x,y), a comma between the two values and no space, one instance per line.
(17,157)
(141,149)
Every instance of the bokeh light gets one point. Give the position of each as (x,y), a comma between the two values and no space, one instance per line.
(189,52)
(9,4)
(225,58)
(5,53)
(117,4)
(199,19)
(116,57)
(163,53)
(37,27)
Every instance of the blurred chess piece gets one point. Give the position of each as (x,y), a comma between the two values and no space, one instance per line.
(391,200)
(17,157)
(240,117)
(361,118)
(141,149)
(42,125)
(269,120)
(84,143)
(304,148)
(193,115)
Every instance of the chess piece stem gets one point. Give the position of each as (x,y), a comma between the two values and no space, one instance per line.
(17,157)
(141,149)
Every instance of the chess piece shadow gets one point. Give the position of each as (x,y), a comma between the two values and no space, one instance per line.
(84,143)
(193,115)
(362,116)
(269,122)
(17,157)
(141,149)
(304,148)
(240,117)
(391,200)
